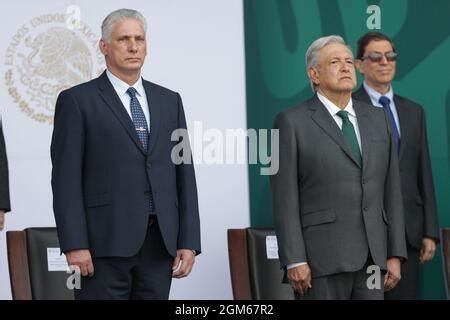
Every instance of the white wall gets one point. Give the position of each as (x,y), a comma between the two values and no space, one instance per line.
(196,47)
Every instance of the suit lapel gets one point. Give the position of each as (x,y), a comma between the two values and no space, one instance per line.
(364,126)
(362,95)
(324,120)
(110,97)
(364,122)
(402,118)
(154,105)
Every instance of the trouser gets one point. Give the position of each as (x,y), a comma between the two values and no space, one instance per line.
(146,275)
(407,288)
(347,286)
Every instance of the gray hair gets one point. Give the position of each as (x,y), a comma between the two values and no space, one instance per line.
(119,15)
(312,54)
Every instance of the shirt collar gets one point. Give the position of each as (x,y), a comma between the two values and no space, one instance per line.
(334,109)
(375,95)
(121,86)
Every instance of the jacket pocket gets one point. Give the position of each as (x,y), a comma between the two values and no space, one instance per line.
(97,200)
(318,217)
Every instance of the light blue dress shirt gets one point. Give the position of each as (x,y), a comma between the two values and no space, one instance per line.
(375,97)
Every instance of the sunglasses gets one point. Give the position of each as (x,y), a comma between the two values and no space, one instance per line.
(378,56)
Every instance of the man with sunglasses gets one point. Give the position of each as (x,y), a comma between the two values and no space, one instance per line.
(376,60)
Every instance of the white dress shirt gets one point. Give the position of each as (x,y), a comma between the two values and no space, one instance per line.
(333,110)
(121,88)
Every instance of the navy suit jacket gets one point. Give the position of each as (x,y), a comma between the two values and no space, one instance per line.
(102,176)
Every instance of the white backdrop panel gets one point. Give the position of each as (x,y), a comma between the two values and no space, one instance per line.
(196,48)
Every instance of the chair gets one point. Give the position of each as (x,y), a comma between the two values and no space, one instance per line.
(253,275)
(28,266)
(445,247)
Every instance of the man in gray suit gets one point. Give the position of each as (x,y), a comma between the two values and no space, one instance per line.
(4,181)
(337,202)
(376,60)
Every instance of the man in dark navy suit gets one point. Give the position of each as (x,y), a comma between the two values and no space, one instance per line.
(126,212)
(376,59)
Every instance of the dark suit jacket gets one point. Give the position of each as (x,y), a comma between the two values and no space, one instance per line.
(101,174)
(4,176)
(415,170)
(327,210)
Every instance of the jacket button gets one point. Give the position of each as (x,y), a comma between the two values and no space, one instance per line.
(366,208)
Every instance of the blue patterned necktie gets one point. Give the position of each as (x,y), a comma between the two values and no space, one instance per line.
(385,102)
(138,116)
(140,125)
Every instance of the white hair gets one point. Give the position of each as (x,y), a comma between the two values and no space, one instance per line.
(119,15)
(312,54)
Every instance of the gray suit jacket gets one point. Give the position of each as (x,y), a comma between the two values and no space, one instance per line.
(328,210)
(4,177)
(415,171)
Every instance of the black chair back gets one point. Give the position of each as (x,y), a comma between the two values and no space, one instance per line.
(265,273)
(45,284)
